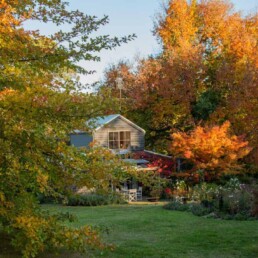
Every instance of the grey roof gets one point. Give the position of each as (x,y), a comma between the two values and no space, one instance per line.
(136,161)
(98,122)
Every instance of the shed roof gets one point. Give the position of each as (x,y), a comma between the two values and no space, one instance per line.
(99,122)
(102,120)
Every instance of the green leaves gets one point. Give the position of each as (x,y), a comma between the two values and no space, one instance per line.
(40,104)
(206,104)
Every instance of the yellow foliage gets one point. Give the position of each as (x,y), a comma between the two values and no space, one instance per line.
(36,117)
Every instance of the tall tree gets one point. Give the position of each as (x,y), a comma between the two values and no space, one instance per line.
(206,73)
(40,104)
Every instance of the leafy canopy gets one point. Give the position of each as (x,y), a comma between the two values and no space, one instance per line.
(40,104)
(206,73)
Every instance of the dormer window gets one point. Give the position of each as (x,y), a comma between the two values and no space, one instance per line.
(119,140)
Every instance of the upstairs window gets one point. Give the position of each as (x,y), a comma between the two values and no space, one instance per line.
(119,140)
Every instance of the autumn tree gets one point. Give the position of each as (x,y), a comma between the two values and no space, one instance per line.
(40,104)
(211,149)
(205,73)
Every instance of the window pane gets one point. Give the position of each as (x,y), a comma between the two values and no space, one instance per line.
(116,136)
(122,145)
(122,136)
(111,136)
(113,140)
(119,140)
(126,144)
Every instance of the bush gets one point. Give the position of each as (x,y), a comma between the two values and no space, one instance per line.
(177,206)
(200,209)
(116,198)
(234,198)
(231,201)
(86,200)
(94,200)
(205,192)
(44,199)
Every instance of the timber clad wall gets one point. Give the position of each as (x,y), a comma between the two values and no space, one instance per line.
(137,136)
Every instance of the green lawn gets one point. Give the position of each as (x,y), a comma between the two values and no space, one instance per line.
(150,231)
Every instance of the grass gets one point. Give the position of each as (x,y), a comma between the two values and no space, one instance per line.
(150,231)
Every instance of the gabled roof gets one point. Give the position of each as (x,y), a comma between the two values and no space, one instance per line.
(99,122)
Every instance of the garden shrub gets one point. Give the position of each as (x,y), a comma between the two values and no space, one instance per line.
(180,188)
(44,199)
(200,209)
(94,200)
(115,198)
(234,198)
(231,201)
(205,192)
(177,206)
(167,193)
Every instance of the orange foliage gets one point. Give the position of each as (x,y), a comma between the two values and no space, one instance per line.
(7,19)
(211,148)
(207,47)
(210,22)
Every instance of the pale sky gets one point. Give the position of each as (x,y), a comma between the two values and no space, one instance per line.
(127,17)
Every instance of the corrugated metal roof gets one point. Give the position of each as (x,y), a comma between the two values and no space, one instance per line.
(98,122)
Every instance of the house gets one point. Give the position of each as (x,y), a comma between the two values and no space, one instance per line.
(122,136)
(113,131)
